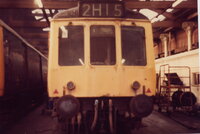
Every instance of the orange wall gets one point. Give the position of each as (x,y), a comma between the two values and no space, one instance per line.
(1,63)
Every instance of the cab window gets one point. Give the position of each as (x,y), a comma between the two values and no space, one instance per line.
(102,45)
(133,46)
(71,46)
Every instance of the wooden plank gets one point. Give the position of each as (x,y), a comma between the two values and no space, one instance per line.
(28,24)
(31,4)
(146,4)
(159,4)
(166,24)
(129,3)
(192,16)
(167,15)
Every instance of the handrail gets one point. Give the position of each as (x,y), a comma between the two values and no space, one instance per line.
(168,70)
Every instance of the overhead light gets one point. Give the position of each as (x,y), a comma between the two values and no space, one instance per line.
(177,3)
(49,18)
(39,3)
(169,10)
(154,20)
(148,13)
(161,17)
(53,10)
(61,10)
(43,20)
(46,29)
(38,17)
(47,11)
(39,11)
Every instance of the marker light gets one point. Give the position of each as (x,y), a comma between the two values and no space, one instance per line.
(70,85)
(136,85)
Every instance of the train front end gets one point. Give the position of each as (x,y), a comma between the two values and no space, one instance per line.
(101,62)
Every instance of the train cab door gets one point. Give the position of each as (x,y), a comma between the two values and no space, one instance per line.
(102,74)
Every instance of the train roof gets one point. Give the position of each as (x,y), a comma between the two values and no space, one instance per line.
(75,13)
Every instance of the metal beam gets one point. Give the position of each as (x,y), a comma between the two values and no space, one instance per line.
(46,16)
(129,4)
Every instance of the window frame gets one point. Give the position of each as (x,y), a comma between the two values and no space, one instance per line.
(58,42)
(145,46)
(115,34)
(195,76)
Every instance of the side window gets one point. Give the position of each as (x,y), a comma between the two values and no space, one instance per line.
(71,46)
(196,78)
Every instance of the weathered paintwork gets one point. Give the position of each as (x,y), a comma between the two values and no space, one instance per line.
(97,81)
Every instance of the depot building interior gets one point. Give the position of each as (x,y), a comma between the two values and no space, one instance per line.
(176,52)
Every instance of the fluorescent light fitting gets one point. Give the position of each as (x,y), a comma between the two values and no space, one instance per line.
(47,11)
(161,17)
(39,3)
(177,3)
(169,10)
(49,18)
(61,10)
(53,10)
(38,17)
(46,29)
(154,20)
(150,14)
(39,11)
(43,20)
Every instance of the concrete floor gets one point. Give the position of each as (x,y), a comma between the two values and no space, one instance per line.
(156,123)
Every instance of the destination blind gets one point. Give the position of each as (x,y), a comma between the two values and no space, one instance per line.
(101,9)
